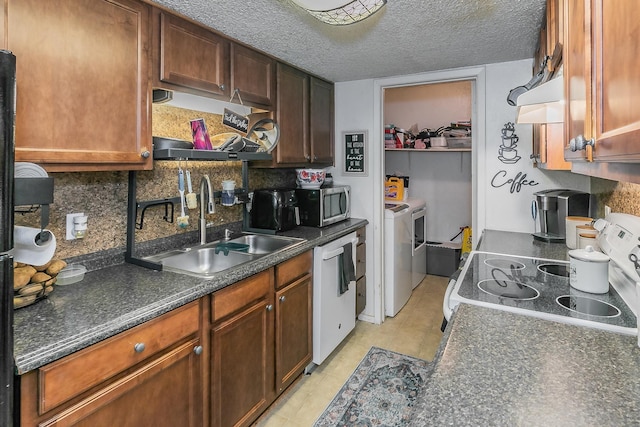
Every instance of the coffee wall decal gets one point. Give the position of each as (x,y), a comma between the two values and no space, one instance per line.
(508,150)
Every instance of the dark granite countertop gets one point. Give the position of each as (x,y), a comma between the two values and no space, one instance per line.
(118,297)
(503,369)
(523,244)
(494,367)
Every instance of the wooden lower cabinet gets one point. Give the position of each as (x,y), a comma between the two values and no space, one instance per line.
(150,378)
(242,365)
(234,351)
(294,325)
(261,340)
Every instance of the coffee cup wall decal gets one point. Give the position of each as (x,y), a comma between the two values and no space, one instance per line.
(508,150)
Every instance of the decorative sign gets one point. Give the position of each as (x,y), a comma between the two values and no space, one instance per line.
(355,157)
(235,121)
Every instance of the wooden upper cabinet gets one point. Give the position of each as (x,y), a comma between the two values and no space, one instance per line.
(82,83)
(189,57)
(292,116)
(321,112)
(577,75)
(305,109)
(253,75)
(616,80)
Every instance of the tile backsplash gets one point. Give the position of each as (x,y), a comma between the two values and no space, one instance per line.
(102,196)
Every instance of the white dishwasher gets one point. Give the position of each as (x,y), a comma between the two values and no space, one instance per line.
(334,295)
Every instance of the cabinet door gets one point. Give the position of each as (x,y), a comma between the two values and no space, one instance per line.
(294,324)
(190,56)
(321,121)
(253,75)
(242,385)
(577,75)
(165,392)
(82,83)
(292,116)
(550,138)
(616,34)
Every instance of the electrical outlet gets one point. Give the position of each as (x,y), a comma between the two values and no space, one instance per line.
(70,217)
(607,210)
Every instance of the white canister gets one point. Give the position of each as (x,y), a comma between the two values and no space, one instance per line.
(589,270)
(570,228)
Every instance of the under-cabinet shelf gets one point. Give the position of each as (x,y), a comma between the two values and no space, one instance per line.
(191,154)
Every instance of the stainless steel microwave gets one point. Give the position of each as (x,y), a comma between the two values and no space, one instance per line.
(323,206)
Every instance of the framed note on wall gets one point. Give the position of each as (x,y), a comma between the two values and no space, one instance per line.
(355,152)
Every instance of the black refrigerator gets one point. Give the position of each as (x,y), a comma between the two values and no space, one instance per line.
(7,158)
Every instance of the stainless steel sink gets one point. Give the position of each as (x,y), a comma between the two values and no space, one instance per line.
(204,261)
(260,244)
(207,260)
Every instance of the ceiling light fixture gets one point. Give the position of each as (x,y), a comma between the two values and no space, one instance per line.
(337,12)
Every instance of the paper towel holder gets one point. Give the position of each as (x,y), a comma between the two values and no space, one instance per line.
(34,192)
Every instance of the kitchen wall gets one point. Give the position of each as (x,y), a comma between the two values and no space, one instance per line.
(102,196)
(505,205)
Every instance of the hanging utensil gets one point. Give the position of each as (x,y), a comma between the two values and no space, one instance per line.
(183,219)
(192,200)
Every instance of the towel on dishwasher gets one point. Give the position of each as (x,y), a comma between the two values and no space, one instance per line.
(346,269)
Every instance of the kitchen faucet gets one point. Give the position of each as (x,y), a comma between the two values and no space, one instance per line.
(211,208)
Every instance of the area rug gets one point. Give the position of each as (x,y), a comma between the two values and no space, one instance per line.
(380,392)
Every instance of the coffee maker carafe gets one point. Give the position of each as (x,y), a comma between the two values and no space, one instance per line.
(551,207)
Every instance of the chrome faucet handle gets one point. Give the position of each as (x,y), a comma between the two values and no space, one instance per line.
(227,234)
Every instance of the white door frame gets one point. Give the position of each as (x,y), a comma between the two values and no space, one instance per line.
(478,171)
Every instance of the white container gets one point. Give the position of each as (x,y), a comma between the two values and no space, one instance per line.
(589,270)
(570,229)
(438,141)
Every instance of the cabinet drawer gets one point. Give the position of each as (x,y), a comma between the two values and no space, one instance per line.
(361,260)
(68,377)
(231,299)
(293,269)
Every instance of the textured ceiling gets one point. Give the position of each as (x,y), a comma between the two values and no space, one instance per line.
(405,37)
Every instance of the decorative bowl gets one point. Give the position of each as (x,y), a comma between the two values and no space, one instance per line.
(310,178)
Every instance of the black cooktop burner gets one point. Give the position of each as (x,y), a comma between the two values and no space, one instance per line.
(504,263)
(586,305)
(508,289)
(560,270)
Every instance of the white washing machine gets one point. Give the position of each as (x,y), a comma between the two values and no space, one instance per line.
(397,256)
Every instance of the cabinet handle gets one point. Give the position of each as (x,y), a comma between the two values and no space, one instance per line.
(580,143)
(139,347)
(222,87)
(315,157)
(197,350)
(145,154)
(282,298)
(269,307)
(307,157)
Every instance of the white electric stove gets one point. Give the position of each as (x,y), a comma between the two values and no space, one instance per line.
(540,287)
